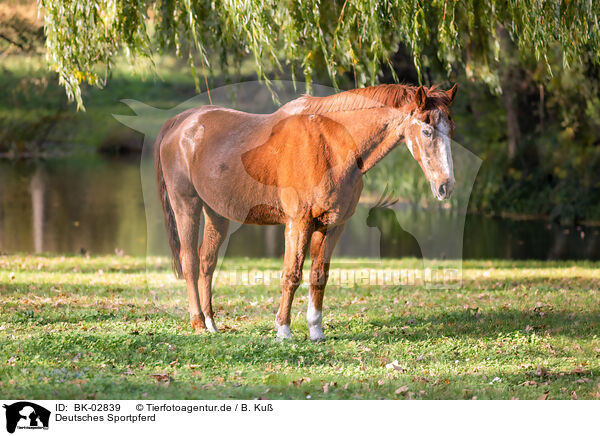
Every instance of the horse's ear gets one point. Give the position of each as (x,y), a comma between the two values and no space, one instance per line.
(421,98)
(451,93)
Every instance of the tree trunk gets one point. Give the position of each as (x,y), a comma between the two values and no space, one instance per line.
(510,100)
(510,82)
(38,189)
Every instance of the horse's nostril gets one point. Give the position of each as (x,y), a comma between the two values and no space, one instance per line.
(443,189)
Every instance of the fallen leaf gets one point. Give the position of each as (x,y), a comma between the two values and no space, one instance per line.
(421,379)
(495,380)
(327,386)
(541,371)
(299,382)
(544,396)
(395,366)
(401,390)
(164,377)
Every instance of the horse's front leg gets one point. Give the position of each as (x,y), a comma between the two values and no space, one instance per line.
(297,235)
(322,243)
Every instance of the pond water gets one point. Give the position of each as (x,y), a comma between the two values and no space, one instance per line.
(96,206)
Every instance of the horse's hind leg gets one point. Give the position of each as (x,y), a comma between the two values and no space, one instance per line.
(321,247)
(187,207)
(215,232)
(297,236)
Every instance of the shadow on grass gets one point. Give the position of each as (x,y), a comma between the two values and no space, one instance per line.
(217,376)
(467,323)
(550,283)
(256,344)
(93,268)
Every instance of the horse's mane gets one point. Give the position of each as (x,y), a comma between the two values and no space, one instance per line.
(394,95)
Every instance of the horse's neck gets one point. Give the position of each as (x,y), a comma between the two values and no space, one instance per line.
(376,132)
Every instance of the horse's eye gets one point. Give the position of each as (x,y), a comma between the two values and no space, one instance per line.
(427,133)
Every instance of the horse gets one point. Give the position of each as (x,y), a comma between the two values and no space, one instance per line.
(300,166)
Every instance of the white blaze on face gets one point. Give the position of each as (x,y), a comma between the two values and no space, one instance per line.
(444,142)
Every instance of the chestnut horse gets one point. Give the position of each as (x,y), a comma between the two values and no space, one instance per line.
(300,166)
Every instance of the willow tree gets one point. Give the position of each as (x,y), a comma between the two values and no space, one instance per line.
(83,37)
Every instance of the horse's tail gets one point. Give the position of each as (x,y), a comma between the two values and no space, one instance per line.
(168,211)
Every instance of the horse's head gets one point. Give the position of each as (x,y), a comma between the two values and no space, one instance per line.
(428,134)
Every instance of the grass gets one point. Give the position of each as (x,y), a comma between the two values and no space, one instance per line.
(76,327)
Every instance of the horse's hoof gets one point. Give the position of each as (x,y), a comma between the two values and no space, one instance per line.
(198,323)
(316,334)
(210,325)
(284,333)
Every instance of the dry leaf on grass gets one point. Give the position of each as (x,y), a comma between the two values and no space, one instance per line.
(541,371)
(395,366)
(544,396)
(402,390)
(327,386)
(299,382)
(161,377)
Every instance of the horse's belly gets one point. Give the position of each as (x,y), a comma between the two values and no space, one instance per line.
(265,214)
(242,199)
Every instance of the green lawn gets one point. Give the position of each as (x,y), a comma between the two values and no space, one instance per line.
(105,327)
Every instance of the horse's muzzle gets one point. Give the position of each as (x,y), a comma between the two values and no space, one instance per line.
(444,190)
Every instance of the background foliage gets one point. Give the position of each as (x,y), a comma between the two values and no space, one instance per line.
(528,74)
(329,36)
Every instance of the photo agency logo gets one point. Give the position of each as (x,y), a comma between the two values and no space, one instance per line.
(25,415)
(322,164)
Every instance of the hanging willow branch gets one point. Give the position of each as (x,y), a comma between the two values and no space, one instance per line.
(83,37)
